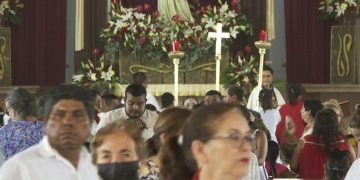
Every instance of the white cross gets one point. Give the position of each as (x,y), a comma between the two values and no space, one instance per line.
(218,35)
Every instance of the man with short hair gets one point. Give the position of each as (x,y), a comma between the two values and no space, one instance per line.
(134,110)
(60,155)
(267,82)
(140,78)
(211,97)
(234,94)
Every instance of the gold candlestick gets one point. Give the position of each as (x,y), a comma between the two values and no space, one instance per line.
(176,56)
(262,46)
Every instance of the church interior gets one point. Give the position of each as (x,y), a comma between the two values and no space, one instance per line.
(285,62)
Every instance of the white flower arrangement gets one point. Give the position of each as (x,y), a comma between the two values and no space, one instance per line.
(96,75)
(338,8)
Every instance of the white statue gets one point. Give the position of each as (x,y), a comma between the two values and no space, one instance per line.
(170,8)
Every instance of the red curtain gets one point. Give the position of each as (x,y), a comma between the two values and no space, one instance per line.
(307,42)
(39,44)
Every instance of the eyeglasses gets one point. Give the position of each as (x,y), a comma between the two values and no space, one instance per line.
(236,139)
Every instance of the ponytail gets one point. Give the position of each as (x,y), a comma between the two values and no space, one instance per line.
(294,91)
(173,161)
(291,96)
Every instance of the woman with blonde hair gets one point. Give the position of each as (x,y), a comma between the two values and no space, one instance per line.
(118,148)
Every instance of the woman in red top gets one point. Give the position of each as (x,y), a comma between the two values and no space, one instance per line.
(312,152)
(291,109)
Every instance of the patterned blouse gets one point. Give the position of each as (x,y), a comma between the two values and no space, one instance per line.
(20,135)
(150,171)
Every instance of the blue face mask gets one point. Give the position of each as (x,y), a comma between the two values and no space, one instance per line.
(119,171)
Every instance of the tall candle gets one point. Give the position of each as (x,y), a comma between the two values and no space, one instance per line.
(176,46)
(263,35)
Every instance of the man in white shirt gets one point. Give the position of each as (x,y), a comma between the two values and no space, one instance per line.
(140,78)
(134,110)
(61,154)
(253,101)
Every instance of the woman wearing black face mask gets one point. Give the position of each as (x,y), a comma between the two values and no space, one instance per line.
(117,149)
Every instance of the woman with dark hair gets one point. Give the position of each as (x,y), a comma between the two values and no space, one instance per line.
(337,165)
(168,124)
(312,152)
(275,169)
(215,143)
(292,110)
(269,114)
(308,113)
(24,129)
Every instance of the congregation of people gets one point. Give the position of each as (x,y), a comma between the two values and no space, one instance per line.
(73,133)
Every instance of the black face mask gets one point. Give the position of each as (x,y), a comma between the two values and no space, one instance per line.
(119,171)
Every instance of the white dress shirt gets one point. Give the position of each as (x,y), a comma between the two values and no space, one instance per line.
(42,162)
(253,101)
(149,118)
